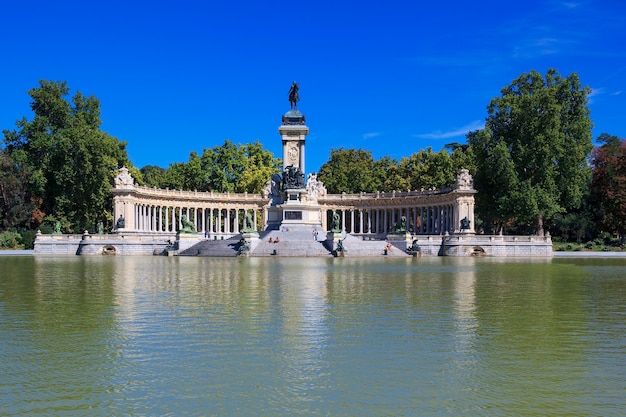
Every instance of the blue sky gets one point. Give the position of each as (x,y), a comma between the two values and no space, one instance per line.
(392,77)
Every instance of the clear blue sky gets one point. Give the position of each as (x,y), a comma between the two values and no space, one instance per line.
(388,76)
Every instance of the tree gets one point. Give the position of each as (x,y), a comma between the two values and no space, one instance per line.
(531,157)
(16,206)
(389,175)
(608,187)
(259,168)
(225,168)
(71,161)
(153,176)
(349,171)
(427,169)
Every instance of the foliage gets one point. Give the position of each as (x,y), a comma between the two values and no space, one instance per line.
(350,171)
(16,206)
(11,240)
(353,171)
(70,161)
(427,169)
(153,176)
(609,183)
(226,168)
(28,238)
(531,156)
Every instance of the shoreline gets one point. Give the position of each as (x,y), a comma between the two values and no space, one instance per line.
(589,254)
(557,254)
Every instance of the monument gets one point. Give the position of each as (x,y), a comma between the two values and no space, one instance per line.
(294,200)
(291,214)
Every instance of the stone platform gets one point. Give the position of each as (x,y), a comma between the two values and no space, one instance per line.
(296,241)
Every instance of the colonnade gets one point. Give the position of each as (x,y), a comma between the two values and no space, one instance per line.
(146,217)
(431,212)
(418,220)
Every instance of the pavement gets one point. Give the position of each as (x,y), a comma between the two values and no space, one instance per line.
(13,252)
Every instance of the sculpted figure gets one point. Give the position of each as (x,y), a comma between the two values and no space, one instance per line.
(400,226)
(188,227)
(465,224)
(121,222)
(248,225)
(293,95)
(335,226)
(244,248)
(292,177)
(123,178)
(464,179)
(314,187)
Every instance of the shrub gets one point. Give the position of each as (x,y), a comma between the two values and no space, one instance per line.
(11,240)
(28,238)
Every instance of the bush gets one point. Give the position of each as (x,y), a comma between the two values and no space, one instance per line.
(11,240)
(46,229)
(28,238)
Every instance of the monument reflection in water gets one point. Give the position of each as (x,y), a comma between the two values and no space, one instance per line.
(287,336)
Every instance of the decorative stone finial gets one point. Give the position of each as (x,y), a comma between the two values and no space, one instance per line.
(124,179)
(464,180)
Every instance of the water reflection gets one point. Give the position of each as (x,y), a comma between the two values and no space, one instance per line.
(196,336)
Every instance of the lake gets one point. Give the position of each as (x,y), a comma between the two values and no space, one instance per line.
(433,336)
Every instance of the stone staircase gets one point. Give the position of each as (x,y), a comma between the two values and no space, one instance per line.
(294,241)
(299,241)
(357,247)
(227,247)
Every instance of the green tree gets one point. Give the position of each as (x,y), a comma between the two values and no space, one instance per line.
(16,206)
(259,168)
(388,176)
(531,156)
(427,169)
(608,187)
(226,168)
(153,176)
(350,171)
(71,161)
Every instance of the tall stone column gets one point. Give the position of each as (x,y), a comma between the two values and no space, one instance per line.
(293,131)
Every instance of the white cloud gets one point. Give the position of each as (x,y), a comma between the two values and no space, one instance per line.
(462,131)
(596,92)
(570,4)
(371,135)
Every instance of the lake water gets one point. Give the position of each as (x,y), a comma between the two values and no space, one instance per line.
(159,336)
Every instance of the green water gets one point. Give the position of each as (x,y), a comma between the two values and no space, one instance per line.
(159,336)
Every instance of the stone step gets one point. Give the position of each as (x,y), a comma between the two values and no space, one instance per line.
(226,247)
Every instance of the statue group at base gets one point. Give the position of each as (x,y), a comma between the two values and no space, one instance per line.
(187,226)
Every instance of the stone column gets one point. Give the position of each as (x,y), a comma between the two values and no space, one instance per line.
(352,221)
(361,221)
(343,220)
(385,221)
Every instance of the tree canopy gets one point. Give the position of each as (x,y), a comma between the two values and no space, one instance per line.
(70,161)
(531,157)
(609,183)
(226,168)
(356,170)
